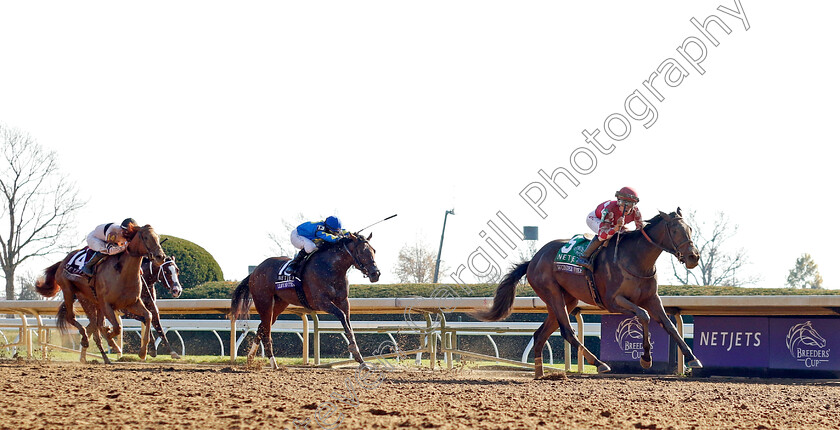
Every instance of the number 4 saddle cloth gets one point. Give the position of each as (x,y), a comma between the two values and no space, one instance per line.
(567,257)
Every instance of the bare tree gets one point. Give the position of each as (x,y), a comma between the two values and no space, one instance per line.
(39,203)
(281,241)
(718,266)
(416,264)
(805,274)
(27,288)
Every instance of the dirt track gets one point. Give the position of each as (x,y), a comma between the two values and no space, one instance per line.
(56,395)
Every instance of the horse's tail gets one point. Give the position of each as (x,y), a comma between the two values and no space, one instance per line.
(505,293)
(46,285)
(60,319)
(240,303)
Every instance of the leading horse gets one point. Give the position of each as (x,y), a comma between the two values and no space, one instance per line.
(116,285)
(324,288)
(626,284)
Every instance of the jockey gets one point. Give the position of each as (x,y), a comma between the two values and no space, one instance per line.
(309,236)
(108,239)
(610,218)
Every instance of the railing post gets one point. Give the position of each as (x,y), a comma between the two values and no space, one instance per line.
(680,358)
(232,341)
(305,352)
(581,337)
(316,338)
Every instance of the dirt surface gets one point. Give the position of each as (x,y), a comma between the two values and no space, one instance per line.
(61,395)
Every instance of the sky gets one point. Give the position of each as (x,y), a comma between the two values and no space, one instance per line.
(218,121)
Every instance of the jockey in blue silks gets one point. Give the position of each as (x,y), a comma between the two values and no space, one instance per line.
(309,236)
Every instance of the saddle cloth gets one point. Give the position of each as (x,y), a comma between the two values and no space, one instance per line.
(284,280)
(567,257)
(77,262)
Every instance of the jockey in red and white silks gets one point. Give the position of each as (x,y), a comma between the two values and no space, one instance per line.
(607,220)
(610,218)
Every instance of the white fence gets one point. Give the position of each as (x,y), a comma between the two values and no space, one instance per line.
(425,317)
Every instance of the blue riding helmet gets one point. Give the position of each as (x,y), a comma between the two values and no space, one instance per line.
(333,223)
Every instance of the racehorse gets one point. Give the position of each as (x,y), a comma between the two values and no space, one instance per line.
(627,285)
(116,285)
(324,288)
(152,273)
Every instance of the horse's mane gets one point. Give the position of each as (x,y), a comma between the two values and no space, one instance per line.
(652,222)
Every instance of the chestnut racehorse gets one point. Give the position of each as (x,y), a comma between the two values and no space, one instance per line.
(627,285)
(116,285)
(325,288)
(152,273)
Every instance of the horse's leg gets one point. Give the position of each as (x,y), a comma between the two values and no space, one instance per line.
(657,312)
(278,308)
(108,312)
(540,337)
(70,317)
(343,314)
(560,308)
(137,308)
(644,318)
(151,306)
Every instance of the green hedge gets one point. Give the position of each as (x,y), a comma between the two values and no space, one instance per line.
(196,265)
(223,290)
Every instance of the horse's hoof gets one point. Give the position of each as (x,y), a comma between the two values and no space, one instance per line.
(604,368)
(274,365)
(645,363)
(695,364)
(365,366)
(153,353)
(175,355)
(538,373)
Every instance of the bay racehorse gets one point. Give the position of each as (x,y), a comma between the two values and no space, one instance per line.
(626,285)
(324,288)
(151,273)
(116,285)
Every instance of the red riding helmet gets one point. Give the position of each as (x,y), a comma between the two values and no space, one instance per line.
(627,194)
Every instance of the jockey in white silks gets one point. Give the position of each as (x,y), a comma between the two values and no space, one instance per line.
(108,239)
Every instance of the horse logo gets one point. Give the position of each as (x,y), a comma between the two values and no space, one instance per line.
(806,344)
(629,334)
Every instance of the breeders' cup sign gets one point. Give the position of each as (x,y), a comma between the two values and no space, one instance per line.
(764,342)
(621,339)
(804,343)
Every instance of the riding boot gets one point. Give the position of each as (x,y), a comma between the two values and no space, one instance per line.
(293,266)
(584,259)
(88,269)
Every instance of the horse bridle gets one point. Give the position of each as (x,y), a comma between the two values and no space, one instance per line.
(157,276)
(676,251)
(356,261)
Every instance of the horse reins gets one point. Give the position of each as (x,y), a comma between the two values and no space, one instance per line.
(356,261)
(676,252)
(159,272)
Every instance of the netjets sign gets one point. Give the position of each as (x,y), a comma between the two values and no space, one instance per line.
(767,342)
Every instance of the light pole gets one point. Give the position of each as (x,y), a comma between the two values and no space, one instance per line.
(437,264)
